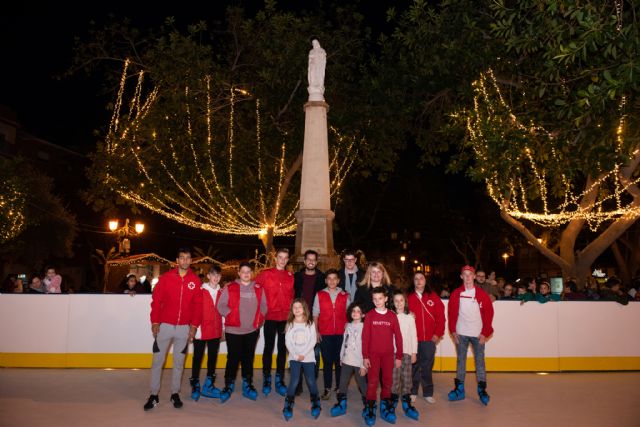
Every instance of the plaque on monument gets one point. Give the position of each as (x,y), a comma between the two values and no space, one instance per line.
(314,235)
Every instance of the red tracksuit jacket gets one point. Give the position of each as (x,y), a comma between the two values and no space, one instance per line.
(278,288)
(486,310)
(429,312)
(177,300)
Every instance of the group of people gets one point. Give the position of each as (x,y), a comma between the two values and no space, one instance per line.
(132,286)
(51,283)
(357,321)
(539,290)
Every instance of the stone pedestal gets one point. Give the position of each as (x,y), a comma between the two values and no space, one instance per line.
(315,218)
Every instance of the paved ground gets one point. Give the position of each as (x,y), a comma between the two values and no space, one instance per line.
(87,397)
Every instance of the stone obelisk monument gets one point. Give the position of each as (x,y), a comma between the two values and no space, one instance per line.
(315,218)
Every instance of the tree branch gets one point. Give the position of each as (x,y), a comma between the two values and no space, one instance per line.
(556,259)
(286,106)
(570,234)
(463,254)
(295,167)
(610,235)
(627,172)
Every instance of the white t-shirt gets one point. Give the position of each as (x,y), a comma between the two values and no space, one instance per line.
(469,319)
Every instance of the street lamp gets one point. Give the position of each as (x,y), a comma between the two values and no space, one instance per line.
(123,233)
(505,257)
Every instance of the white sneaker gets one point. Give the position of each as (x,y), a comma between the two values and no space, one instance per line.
(430,399)
(413,398)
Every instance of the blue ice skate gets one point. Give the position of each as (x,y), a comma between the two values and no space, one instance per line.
(248,390)
(387,411)
(409,410)
(458,391)
(340,408)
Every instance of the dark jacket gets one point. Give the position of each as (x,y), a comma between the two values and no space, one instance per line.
(298,279)
(607,294)
(138,288)
(364,298)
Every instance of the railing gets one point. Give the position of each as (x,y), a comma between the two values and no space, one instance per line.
(83,331)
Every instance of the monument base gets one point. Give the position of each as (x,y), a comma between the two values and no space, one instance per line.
(315,232)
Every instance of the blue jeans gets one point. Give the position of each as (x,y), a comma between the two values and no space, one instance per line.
(478,355)
(309,369)
(316,352)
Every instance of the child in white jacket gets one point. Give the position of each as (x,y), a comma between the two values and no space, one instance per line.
(402,378)
(301,338)
(351,359)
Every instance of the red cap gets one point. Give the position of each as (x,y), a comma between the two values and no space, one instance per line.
(467,268)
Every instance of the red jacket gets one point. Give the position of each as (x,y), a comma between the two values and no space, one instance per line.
(177,300)
(233,318)
(211,320)
(332,317)
(486,310)
(278,289)
(429,312)
(379,333)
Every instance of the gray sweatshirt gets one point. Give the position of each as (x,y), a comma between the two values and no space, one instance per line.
(301,339)
(351,352)
(248,305)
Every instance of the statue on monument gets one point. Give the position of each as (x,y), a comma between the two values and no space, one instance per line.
(317,63)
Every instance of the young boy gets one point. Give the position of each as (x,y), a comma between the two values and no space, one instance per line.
(277,283)
(208,335)
(470,317)
(330,317)
(381,330)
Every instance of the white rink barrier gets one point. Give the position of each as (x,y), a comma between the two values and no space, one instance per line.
(113,331)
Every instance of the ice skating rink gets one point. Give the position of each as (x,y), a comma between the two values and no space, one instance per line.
(97,397)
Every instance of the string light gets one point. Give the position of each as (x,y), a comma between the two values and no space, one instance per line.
(12,205)
(183,183)
(510,189)
(136,259)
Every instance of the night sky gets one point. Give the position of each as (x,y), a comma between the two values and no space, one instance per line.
(37,41)
(37,48)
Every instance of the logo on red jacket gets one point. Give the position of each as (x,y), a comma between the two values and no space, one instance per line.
(191,285)
(430,303)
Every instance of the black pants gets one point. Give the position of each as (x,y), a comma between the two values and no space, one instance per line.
(212,356)
(241,349)
(330,347)
(423,368)
(271,328)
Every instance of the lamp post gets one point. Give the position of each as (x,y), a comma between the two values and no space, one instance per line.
(505,257)
(123,233)
(403,259)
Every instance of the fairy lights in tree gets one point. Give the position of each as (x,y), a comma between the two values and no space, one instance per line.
(12,204)
(528,175)
(197,162)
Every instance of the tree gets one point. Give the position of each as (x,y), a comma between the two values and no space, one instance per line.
(426,67)
(626,251)
(558,148)
(202,103)
(34,224)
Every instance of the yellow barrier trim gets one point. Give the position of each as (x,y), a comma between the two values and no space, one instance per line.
(442,364)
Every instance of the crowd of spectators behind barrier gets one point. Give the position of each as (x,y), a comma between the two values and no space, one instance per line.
(50,283)
(528,289)
(539,290)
